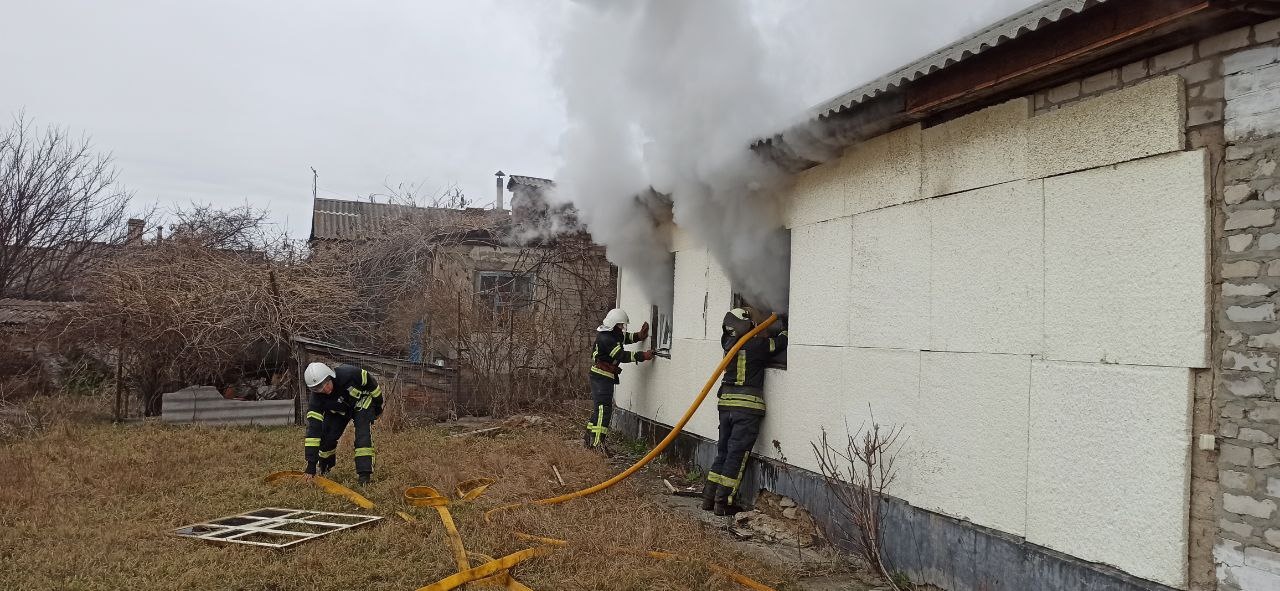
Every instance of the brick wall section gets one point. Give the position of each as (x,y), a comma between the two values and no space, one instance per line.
(1233,110)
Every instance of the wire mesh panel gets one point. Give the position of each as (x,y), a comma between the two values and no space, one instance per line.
(273,527)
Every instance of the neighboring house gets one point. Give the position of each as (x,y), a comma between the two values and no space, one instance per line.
(503,298)
(1050,253)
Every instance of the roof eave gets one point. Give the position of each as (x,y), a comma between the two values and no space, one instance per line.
(1096,36)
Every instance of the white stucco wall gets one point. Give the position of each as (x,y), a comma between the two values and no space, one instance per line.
(1033,336)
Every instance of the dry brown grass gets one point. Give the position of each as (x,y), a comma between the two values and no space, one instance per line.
(87,505)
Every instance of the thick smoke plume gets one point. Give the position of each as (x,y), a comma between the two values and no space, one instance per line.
(666,96)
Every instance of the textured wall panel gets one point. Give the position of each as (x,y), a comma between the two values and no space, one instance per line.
(876,173)
(821,257)
(979,149)
(1126,263)
(974,438)
(987,277)
(889,281)
(719,298)
(1142,120)
(1109,474)
(688,319)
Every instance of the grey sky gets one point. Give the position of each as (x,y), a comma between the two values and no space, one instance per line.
(228,101)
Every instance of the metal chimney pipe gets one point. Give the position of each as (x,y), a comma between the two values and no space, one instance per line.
(500,188)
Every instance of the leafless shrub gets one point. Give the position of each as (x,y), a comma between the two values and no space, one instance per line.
(199,306)
(857,474)
(60,207)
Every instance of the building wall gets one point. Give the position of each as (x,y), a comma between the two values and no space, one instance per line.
(1025,292)
(1232,112)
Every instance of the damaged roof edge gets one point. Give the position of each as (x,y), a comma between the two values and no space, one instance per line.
(1008,29)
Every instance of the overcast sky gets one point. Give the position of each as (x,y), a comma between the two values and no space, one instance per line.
(232,101)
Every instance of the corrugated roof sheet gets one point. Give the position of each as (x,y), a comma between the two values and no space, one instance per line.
(529,181)
(1020,24)
(338,219)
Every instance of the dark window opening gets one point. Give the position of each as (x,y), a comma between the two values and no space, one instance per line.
(501,293)
(738,301)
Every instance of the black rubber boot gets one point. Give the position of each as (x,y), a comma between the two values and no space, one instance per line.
(709,495)
(723,508)
(363,479)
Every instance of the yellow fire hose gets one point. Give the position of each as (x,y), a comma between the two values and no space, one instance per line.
(325,484)
(497,572)
(662,445)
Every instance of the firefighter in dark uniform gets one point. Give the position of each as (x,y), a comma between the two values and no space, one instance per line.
(339,395)
(741,406)
(606,359)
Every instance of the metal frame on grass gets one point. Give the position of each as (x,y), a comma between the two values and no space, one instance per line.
(286,527)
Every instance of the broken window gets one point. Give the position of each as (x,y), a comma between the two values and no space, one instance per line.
(502,292)
(273,527)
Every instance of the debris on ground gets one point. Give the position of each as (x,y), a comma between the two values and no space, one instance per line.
(524,421)
(777,519)
(486,432)
(688,491)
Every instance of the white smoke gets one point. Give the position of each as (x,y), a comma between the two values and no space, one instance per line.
(668,95)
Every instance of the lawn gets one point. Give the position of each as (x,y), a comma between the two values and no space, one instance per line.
(86,505)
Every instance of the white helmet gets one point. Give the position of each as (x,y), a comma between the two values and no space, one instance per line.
(316,374)
(615,317)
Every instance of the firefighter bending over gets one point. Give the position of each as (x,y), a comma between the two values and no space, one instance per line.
(606,359)
(340,395)
(741,406)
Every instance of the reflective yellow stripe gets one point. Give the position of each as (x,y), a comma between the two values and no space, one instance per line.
(742,368)
(599,426)
(602,372)
(364,451)
(614,352)
(353,391)
(721,479)
(311,442)
(743,468)
(747,397)
(773,346)
(327,454)
(376,392)
(364,378)
(315,415)
(742,404)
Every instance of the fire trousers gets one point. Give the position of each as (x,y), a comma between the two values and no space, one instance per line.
(738,432)
(334,425)
(601,410)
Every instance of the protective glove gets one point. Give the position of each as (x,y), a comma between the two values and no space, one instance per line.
(646,356)
(644,332)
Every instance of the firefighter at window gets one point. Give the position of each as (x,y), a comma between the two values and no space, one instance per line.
(741,406)
(607,358)
(339,395)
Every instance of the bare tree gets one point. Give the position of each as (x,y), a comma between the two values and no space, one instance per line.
(243,228)
(857,474)
(60,205)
